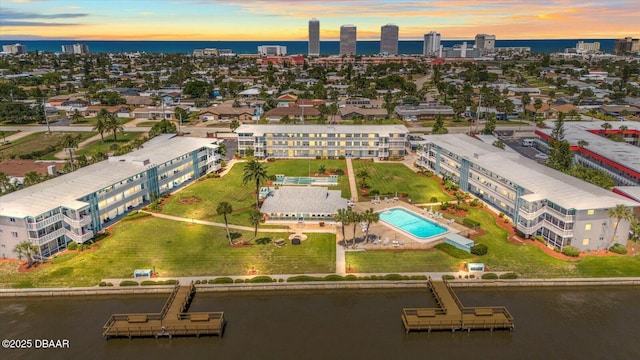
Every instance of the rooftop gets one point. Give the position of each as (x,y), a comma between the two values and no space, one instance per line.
(543,182)
(381,130)
(303,199)
(66,189)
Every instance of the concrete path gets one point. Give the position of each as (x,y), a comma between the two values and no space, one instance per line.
(64,154)
(16,136)
(352,181)
(341,262)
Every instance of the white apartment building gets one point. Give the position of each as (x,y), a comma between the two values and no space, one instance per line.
(539,200)
(431,46)
(75,206)
(326,141)
(14,49)
(77,49)
(272,50)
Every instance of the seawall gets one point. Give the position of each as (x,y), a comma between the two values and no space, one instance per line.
(319,285)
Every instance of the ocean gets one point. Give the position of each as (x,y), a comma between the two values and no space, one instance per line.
(293,47)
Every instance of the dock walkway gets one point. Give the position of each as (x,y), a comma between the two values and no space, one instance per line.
(173,320)
(451,315)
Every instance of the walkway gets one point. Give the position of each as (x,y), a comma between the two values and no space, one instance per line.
(64,154)
(352,181)
(18,135)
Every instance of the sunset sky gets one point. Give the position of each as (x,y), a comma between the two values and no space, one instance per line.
(287,19)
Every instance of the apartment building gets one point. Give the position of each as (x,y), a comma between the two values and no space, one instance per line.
(314,37)
(539,200)
(389,39)
(348,36)
(327,141)
(75,206)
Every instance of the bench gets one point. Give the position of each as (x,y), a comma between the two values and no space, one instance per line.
(137,318)
(483,312)
(199,317)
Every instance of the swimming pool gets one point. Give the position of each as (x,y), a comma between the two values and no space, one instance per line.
(412,223)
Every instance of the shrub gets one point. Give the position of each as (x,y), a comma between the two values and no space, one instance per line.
(470,223)
(393,277)
(318,157)
(501,214)
(168,282)
(341,157)
(448,277)
(72,245)
(374,192)
(618,249)
(148,282)
(221,280)
(474,202)
(109,284)
(128,283)
(333,278)
(418,277)
(538,238)
(280,280)
(350,278)
(239,281)
(472,276)
(304,278)
(571,251)
(102,283)
(263,240)
(509,276)
(444,205)
(489,276)
(135,215)
(479,249)
(433,199)
(259,279)
(339,172)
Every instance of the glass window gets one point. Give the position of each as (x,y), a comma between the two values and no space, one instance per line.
(591,212)
(587,226)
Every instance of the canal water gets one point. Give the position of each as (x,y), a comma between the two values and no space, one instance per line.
(551,323)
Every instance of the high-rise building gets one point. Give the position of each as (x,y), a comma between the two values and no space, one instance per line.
(431,44)
(75,49)
(389,39)
(314,37)
(272,50)
(626,45)
(485,42)
(348,36)
(587,48)
(15,49)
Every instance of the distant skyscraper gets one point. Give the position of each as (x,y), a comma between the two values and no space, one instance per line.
(348,36)
(314,37)
(272,50)
(389,39)
(485,42)
(15,49)
(626,45)
(431,44)
(75,49)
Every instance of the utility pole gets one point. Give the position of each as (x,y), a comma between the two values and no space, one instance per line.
(180,124)
(46,119)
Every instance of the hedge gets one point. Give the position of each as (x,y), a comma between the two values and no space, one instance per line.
(259,279)
(448,277)
(571,251)
(489,276)
(470,223)
(618,249)
(128,283)
(221,280)
(479,249)
(509,276)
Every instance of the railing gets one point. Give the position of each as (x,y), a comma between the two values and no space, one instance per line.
(79,238)
(44,223)
(169,301)
(50,236)
(84,221)
(531,215)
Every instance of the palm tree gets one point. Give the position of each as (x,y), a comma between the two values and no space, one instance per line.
(255,171)
(356,217)
(114,125)
(606,126)
(635,230)
(26,250)
(32,178)
(582,143)
(234,125)
(342,216)
(70,142)
(75,117)
(363,175)
(370,217)
(620,212)
(255,217)
(223,209)
(322,169)
(5,182)
(459,198)
(101,123)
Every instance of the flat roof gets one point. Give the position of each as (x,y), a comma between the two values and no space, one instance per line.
(622,153)
(630,191)
(65,190)
(542,181)
(459,239)
(381,130)
(303,199)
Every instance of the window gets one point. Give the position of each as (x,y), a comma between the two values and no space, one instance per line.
(14,234)
(585,242)
(12,219)
(587,226)
(591,212)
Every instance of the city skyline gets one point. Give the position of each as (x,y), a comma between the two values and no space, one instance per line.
(287,20)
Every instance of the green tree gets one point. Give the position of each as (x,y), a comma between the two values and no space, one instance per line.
(371,217)
(560,156)
(26,250)
(363,175)
(558,130)
(255,171)
(573,114)
(224,209)
(322,169)
(255,217)
(70,142)
(5,183)
(163,127)
(619,213)
(101,122)
(113,124)
(490,124)
(459,106)
(635,230)
(234,125)
(356,218)
(75,117)
(537,104)
(438,127)
(32,178)
(343,217)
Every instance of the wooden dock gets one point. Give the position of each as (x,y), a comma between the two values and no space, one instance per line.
(451,315)
(173,320)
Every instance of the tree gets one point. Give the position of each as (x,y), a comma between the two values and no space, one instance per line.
(490,125)
(635,230)
(370,217)
(606,126)
(343,217)
(526,100)
(582,143)
(224,208)
(255,217)
(113,124)
(322,169)
(620,212)
(537,104)
(573,114)
(5,183)
(70,142)
(558,130)
(32,178)
(256,172)
(560,156)
(101,123)
(234,125)
(363,175)
(75,117)
(438,127)
(26,250)
(356,218)
(509,107)
(459,106)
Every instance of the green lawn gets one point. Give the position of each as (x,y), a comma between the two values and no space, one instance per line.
(147,123)
(123,139)
(40,141)
(91,121)
(391,261)
(389,178)
(175,249)
(5,134)
(230,188)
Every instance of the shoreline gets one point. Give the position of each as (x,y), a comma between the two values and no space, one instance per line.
(316,285)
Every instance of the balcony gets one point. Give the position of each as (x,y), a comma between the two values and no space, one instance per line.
(44,223)
(49,237)
(84,221)
(79,238)
(531,215)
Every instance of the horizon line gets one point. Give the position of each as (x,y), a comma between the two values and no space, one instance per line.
(149,40)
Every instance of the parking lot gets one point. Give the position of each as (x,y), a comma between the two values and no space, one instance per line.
(526,151)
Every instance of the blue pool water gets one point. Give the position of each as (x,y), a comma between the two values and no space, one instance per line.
(412,223)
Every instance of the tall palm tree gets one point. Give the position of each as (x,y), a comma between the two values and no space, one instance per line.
(114,125)
(620,212)
(5,182)
(101,123)
(363,175)
(75,117)
(255,171)
(255,217)
(26,250)
(224,208)
(70,142)
(342,216)
(32,178)
(356,217)
(370,217)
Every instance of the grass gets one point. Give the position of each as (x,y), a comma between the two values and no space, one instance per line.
(401,261)
(5,134)
(230,188)
(147,123)
(175,249)
(91,121)
(123,138)
(389,178)
(40,141)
